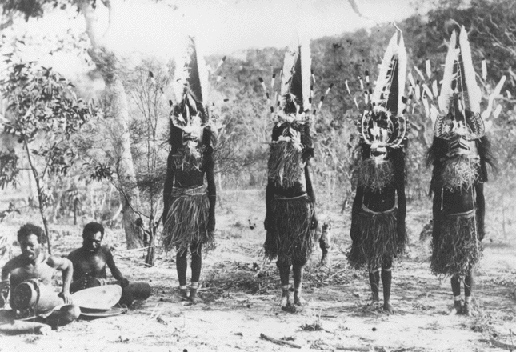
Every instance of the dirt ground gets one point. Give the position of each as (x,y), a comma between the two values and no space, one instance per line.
(241,297)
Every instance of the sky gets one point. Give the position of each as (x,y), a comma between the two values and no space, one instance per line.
(139,28)
(229,25)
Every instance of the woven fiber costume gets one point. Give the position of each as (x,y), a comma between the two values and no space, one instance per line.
(377,226)
(290,219)
(459,155)
(189,202)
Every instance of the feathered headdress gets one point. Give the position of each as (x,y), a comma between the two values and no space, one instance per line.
(191,86)
(459,101)
(293,101)
(383,124)
(295,93)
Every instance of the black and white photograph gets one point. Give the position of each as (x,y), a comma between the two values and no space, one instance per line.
(258,175)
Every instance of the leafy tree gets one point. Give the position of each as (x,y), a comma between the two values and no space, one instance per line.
(45,113)
(150,141)
(109,66)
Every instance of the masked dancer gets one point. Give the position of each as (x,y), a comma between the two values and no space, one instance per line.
(459,154)
(290,220)
(189,192)
(377,225)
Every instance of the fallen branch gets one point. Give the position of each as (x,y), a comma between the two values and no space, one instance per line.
(279,342)
(503,345)
(338,272)
(352,348)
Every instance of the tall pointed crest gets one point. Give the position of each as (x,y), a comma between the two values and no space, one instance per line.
(191,85)
(459,101)
(295,92)
(390,86)
(388,101)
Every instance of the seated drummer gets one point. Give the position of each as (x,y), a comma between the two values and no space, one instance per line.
(91,259)
(35,263)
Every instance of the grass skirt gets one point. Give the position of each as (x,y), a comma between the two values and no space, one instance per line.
(187,220)
(377,241)
(290,235)
(457,249)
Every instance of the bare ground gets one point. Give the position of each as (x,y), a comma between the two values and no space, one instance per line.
(241,298)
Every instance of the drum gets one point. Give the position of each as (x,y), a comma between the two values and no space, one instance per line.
(34,295)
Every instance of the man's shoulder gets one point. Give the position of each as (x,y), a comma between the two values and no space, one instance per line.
(19,260)
(14,265)
(74,253)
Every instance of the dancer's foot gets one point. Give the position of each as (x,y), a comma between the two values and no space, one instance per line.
(467,309)
(286,305)
(183,294)
(194,299)
(298,300)
(387,307)
(457,308)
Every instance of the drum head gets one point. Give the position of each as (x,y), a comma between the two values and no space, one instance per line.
(100,298)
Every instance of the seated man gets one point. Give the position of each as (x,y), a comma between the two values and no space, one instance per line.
(35,266)
(91,259)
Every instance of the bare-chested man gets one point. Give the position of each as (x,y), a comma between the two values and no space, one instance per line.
(35,264)
(90,261)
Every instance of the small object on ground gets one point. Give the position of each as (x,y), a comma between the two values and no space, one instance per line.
(279,342)
(23,327)
(503,345)
(63,316)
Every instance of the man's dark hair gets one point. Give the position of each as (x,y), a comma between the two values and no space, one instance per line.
(92,228)
(30,229)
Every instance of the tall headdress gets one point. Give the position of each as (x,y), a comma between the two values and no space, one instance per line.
(459,101)
(383,123)
(291,106)
(191,87)
(295,98)
(292,102)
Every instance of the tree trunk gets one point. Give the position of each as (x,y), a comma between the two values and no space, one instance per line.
(149,259)
(504,230)
(107,63)
(40,195)
(75,209)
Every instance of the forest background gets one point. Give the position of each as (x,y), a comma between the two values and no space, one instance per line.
(94,146)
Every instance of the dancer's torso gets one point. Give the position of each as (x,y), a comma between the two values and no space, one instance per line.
(188,158)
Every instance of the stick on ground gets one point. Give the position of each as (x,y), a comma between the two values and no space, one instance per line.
(279,342)
(503,345)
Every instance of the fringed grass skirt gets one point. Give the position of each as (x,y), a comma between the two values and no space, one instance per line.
(187,219)
(377,241)
(290,235)
(457,249)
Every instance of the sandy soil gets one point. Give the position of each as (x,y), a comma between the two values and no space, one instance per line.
(241,298)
